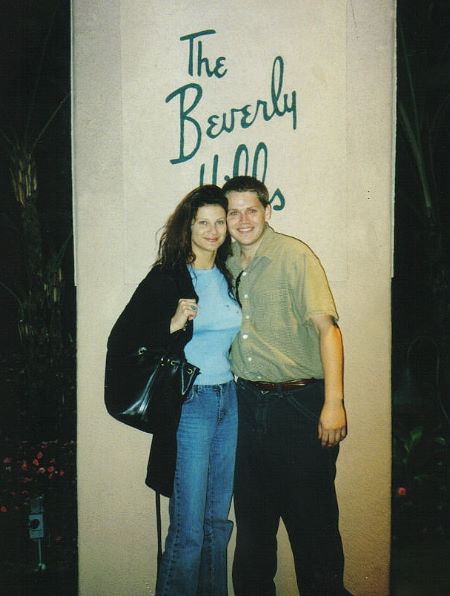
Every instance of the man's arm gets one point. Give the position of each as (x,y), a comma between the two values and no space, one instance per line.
(333,419)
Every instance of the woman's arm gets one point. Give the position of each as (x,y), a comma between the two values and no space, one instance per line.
(147,317)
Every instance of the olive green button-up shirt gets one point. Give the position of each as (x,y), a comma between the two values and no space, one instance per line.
(283,286)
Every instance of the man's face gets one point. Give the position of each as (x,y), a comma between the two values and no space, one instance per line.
(246,218)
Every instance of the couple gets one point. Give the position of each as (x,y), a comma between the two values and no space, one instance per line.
(258,319)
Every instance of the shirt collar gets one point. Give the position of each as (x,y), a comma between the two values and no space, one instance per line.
(267,239)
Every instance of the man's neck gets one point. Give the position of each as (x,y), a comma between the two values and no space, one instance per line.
(248,253)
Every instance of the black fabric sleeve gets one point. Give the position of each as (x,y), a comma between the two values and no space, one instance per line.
(145,321)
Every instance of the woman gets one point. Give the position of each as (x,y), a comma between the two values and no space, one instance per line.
(186,301)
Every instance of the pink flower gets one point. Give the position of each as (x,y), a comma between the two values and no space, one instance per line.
(51,469)
(7,460)
(61,472)
(41,471)
(401,491)
(40,455)
(35,462)
(26,479)
(3,509)
(24,466)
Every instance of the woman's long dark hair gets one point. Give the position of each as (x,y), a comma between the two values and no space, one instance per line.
(175,245)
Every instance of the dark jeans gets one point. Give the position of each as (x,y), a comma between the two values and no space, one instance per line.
(282,471)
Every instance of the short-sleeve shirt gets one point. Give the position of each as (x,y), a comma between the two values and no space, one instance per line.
(283,286)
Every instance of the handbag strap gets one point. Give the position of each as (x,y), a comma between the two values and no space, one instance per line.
(158,529)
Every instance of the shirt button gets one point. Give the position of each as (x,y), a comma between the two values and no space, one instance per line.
(245,336)
(247,316)
(245,295)
(244,273)
(249,358)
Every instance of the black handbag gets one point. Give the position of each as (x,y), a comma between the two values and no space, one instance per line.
(146,388)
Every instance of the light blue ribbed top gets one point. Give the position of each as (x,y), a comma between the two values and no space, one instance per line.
(217,322)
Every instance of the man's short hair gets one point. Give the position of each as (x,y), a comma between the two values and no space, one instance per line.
(248,184)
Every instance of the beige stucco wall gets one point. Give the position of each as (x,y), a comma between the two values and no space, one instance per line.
(335,172)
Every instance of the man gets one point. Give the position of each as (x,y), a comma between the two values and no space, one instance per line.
(288,360)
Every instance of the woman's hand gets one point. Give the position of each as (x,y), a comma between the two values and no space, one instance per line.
(186,311)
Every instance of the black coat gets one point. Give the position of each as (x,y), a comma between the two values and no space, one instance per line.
(145,321)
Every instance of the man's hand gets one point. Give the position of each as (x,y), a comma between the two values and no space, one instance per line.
(332,423)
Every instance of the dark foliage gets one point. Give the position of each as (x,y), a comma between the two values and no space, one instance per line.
(37,298)
(421,285)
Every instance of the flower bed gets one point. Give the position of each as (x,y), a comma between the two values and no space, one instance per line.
(29,470)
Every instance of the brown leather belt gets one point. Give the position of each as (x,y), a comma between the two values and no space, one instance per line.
(283,386)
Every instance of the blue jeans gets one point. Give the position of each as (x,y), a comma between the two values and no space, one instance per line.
(283,472)
(195,557)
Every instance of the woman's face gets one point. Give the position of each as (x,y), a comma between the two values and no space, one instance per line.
(208,230)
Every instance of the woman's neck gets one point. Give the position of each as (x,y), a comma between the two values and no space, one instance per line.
(204,261)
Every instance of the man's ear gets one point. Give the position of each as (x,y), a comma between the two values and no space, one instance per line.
(268,212)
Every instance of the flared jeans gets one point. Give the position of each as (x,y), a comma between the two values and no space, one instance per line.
(194,561)
(283,472)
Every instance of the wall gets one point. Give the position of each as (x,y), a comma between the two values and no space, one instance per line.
(323,72)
